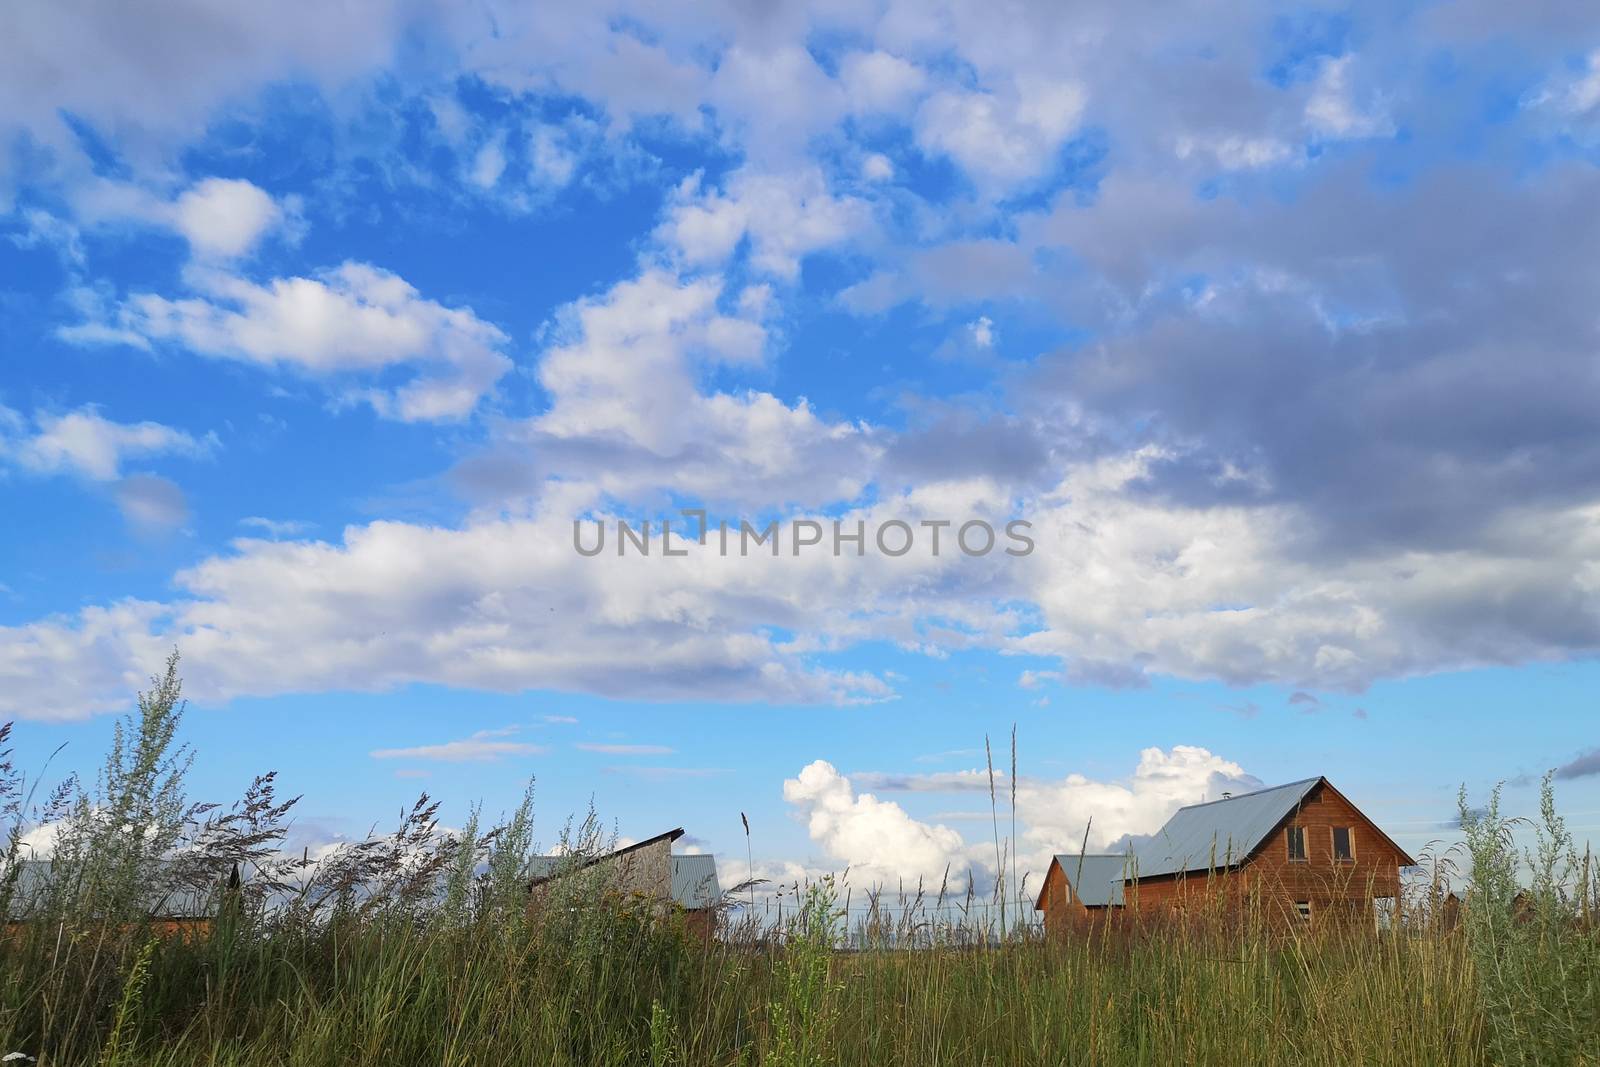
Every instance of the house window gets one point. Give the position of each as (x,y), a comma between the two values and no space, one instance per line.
(1302,910)
(1342,851)
(1297,843)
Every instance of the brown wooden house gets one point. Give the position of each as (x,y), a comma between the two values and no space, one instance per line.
(1081,890)
(1302,849)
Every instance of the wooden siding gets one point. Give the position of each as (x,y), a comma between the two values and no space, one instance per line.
(1064,913)
(1331,887)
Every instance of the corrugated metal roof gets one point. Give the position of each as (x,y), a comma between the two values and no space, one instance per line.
(1096,880)
(1218,834)
(694,881)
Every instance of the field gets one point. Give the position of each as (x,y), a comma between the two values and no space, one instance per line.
(418,947)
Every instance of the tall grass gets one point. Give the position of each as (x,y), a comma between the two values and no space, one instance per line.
(418,947)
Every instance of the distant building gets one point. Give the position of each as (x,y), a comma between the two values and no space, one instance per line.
(169,909)
(1303,849)
(1080,889)
(647,871)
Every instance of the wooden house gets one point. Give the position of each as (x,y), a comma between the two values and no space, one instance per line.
(1080,890)
(647,872)
(1303,849)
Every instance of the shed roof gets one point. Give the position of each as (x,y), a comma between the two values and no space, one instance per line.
(1220,833)
(1096,880)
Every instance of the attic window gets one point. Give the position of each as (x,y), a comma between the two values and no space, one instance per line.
(1297,843)
(1342,851)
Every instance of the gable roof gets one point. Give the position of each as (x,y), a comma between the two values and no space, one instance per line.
(1218,834)
(1096,879)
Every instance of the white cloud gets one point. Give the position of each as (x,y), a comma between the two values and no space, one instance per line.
(277,528)
(877,167)
(1034,679)
(85,443)
(982,331)
(1057,813)
(1001,140)
(1235,152)
(221,218)
(1332,110)
(774,100)
(502,605)
(880,82)
(355,320)
(969,781)
(876,839)
(485,746)
(1131,585)
(624,750)
(489,163)
(785,217)
(881,843)
(225,217)
(553,162)
(627,411)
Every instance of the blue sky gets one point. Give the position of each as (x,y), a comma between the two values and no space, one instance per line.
(1276,324)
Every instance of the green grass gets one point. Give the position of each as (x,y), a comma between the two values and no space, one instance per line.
(418,947)
(612,988)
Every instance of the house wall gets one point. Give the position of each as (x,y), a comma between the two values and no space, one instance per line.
(640,873)
(1062,909)
(1331,888)
(700,923)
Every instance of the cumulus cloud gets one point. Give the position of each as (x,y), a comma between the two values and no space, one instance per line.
(628,412)
(220,218)
(1001,140)
(225,217)
(87,444)
(353,322)
(497,605)
(876,839)
(881,843)
(783,216)
(880,81)
(1320,437)
(1058,813)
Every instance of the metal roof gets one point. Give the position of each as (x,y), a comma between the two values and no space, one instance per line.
(1096,880)
(694,881)
(1218,834)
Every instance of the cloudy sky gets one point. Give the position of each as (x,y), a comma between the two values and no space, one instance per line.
(1278,323)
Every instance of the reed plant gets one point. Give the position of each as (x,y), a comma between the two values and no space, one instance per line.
(418,946)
